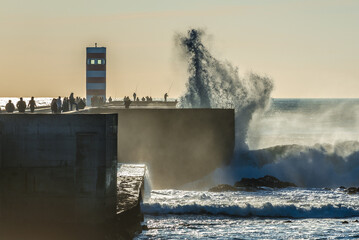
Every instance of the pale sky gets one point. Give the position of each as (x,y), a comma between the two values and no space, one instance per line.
(310,48)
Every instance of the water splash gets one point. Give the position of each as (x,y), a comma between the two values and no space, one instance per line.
(216,84)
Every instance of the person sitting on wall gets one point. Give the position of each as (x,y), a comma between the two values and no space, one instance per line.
(81,104)
(32,104)
(21,105)
(110,99)
(127,102)
(143,99)
(9,107)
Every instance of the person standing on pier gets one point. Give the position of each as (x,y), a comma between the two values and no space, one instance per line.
(21,105)
(59,105)
(54,105)
(32,104)
(65,105)
(165,97)
(9,107)
(134,96)
(72,101)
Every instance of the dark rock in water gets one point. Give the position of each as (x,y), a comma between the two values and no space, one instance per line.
(288,221)
(250,189)
(266,181)
(356,221)
(345,222)
(352,190)
(144,227)
(223,188)
(342,187)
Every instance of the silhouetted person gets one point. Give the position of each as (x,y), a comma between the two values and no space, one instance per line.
(166,95)
(72,100)
(59,104)
(137,99)
(65,105)
(10,107)
(81,104)
(110,99)
(134,96)
(32,104)
(127,102)
(143,99)
(21,105)
(54,105)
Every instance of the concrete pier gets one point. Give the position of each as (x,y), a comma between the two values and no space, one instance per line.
(57,174)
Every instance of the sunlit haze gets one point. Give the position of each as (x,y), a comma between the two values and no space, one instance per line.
(309,48)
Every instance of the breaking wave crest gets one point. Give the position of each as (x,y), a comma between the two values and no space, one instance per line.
(248,210)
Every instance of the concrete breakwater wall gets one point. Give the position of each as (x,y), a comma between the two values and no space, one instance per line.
(130,192)
(177,145)
(57,170)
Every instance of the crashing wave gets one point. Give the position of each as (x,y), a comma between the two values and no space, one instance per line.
(248,210)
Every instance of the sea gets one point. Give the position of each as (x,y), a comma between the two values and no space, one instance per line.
(313,143)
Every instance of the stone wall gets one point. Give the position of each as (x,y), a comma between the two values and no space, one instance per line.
(177,145)
(57,168)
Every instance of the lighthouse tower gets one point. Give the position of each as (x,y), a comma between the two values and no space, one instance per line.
(95,73)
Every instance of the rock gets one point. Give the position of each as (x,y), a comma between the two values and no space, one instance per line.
(250,189)
(345,222)
(144,227)
(352,190)
(342,187)
(223,188)
(356,221)
(266,181)
(287,221)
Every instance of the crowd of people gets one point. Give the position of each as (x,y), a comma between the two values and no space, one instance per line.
(67,104)
(71,103)
(97,101)
(57,104)
(127,101)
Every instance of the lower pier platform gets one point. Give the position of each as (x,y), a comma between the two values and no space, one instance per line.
(130,192)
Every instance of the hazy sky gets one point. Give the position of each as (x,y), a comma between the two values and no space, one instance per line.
(309,47)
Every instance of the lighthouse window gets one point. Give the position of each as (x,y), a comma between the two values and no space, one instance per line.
(95,61)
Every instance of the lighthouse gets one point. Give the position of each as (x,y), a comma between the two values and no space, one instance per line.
(95,73)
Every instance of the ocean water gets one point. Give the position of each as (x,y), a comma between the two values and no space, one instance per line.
(311,142)
(280,214)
